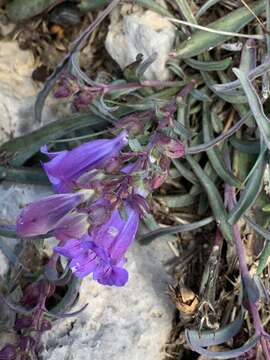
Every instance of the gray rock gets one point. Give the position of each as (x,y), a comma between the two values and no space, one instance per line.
(13,199)
(18,93)
(144,33)
(132,322)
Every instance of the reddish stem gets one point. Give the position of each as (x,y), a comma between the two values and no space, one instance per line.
(240,250)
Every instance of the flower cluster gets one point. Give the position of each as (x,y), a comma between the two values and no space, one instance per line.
(101,193)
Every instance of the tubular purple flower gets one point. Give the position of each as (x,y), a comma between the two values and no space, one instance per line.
(117,234)
(66,167)
(102,252)
(44,215)
(73,225)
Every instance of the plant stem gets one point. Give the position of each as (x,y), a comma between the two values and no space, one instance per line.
(252,307)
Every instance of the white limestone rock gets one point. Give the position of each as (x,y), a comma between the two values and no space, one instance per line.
(142,32)
(131,322)
(13,199)
(18,93)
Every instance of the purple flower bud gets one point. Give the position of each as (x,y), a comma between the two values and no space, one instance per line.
(66,167)
(66,87)
(159,177)
(139,203)
(134,123)
(43,216)
(83,100)
(113,166)
(23,322)
(102,253)
(172,148)
(8,352)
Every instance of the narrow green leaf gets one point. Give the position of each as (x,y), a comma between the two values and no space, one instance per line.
(202,41)
(203,147)
(234,97)
(246,146)
(154,6)
(214,154)
(248,57)
(185,172)
(251,191)
(186,11)
(251,291)
(229,354)
(147,238)
(7,251)
(18,150)
(179,201)
(259,229)
(217,337)
(214,198)
(258,71)
(200,95)
(263,260)
(264,257)
(205,7)
(255,105)
(24,175)
(66,315)
(69,298)
(261,288)
(9,231)
(18,308)
(209,65)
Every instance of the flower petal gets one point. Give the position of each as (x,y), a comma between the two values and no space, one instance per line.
(42,216)
(126,236)
(84,264)
(67,167)
(118,277)
(73,225)
(107,233)
(72,248)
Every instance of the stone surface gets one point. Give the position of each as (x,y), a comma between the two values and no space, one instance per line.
(132,322)
(13,199)
(18,93)
(144,33)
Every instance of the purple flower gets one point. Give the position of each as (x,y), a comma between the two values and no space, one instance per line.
(65,167)
(44,215)
(102,252)
(73,225)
